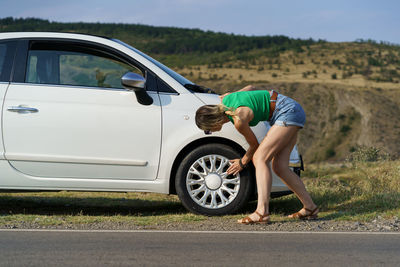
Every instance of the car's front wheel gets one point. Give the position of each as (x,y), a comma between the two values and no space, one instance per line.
(203,185)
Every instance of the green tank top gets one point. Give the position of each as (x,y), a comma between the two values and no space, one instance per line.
(258,101)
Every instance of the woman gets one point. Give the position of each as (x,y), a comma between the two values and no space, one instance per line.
(246,108)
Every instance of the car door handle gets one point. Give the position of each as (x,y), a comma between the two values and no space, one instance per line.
(22,109)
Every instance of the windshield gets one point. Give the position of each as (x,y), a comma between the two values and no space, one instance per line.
(182,80)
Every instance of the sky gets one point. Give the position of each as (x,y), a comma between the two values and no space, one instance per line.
(333,20)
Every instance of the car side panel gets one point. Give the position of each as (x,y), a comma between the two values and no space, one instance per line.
(81,133)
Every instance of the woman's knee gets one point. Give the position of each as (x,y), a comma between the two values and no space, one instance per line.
(261,158)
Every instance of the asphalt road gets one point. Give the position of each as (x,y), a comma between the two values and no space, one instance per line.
(148,248)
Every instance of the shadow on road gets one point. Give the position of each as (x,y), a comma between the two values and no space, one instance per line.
(93,206)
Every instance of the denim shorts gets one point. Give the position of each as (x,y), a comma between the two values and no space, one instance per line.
(288,112)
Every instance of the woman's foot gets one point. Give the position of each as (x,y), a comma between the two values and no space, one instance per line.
(255,218)
(306,214)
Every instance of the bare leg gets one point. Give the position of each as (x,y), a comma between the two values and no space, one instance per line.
(264,184)
(277,139)
(280,165)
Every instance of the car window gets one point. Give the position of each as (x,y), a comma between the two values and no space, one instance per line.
(7,50)
(3,51)
(179,78)
(76,66)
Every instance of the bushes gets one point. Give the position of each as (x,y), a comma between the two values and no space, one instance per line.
(367,154)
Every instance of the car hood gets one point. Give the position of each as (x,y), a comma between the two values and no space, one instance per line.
(208,99)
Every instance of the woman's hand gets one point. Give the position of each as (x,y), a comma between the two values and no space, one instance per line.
(235,167)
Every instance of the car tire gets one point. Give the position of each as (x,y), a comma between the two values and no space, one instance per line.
(203,185)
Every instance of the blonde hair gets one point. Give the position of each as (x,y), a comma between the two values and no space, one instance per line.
(208,116)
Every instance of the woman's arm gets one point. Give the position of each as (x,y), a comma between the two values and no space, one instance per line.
(242,125)
(246,88)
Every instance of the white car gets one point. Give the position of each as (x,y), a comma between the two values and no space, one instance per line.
(89,113)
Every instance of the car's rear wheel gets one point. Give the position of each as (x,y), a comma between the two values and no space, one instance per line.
(203,185)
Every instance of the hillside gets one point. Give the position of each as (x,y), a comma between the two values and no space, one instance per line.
(354,64)
(350,91)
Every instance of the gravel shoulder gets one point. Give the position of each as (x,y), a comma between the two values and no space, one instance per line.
(222,224)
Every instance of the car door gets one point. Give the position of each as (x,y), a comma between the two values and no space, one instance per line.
(70,117)
(7,52)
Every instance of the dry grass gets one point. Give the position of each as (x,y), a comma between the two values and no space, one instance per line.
(314,65)
(359,191)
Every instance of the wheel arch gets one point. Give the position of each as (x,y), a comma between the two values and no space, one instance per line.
(193,145)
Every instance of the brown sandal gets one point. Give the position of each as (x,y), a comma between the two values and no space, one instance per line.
(263,219)
(312,215)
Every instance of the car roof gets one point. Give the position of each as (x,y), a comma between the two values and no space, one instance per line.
(60,35)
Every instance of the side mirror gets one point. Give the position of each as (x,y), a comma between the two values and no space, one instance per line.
(135,82)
